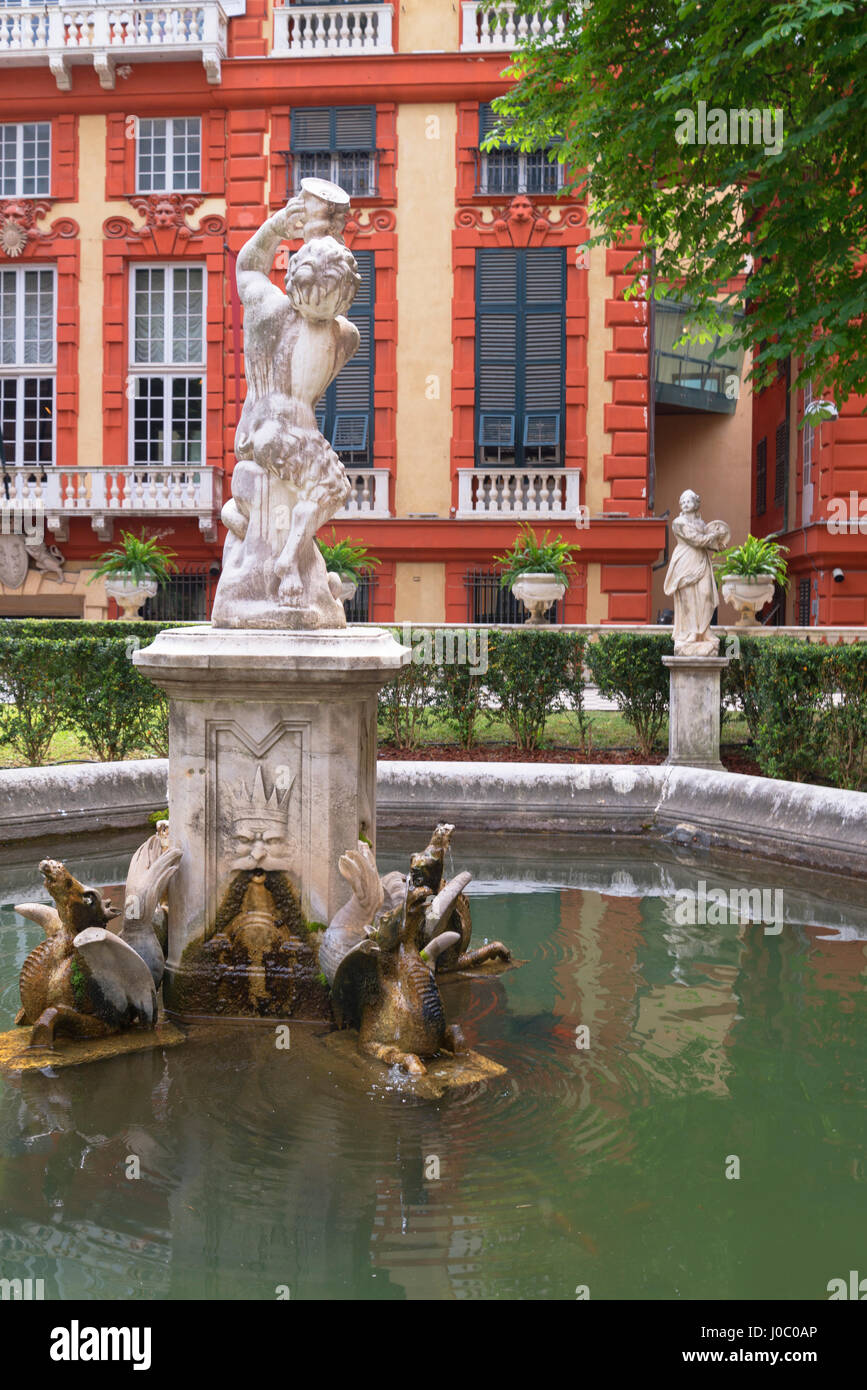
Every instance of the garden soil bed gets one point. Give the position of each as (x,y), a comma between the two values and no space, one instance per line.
(734,759)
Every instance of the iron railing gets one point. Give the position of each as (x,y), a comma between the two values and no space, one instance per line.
(360,606)
(489,602)
(187,597)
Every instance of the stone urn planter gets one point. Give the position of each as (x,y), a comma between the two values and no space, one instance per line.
(538,592)
(129,594)
(348,588)
(747,594)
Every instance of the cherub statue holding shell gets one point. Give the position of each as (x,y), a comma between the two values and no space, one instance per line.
(288,481)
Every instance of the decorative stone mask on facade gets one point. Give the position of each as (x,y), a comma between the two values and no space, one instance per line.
(18,223)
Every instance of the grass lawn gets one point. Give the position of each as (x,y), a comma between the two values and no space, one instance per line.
(607,731)
(66,747)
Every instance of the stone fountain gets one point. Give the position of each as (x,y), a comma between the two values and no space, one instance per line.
(272,769)
(272,748)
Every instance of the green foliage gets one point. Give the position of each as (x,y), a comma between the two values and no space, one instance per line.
(617,89)
(845,762)
(529,555)
(156,816)
(34,677)
(137,557)
(66,675)
(578,716)
(348,560)
(755,557)
(529,674)
(789,734)
(108,699)
(403,703)
(627,667)
(459,689)
(67,629)
(738,683)
(155,735)
(812,701)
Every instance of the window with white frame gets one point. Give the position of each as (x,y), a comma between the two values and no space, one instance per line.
(27,364)
(167,364)
(508,170)
(25,160)
(169,155)
(808,435)
(337,143)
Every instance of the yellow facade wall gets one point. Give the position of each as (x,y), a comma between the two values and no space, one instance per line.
(425,217)
(712,455)
(90,213)
(597,602)
(421,592)
(428,26)
(599,341)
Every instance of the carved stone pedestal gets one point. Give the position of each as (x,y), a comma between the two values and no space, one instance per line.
(693,717)
(272,774)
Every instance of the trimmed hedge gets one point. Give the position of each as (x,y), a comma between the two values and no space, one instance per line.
(59,675)
(812,712)
(531,675)
(805,703)
(454,671)
(627,667)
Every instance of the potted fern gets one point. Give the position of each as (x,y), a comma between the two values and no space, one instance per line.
(348,561)
(536,572)
(749,573)
(134,571)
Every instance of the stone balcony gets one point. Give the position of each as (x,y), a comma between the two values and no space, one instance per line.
(522,493)
(500,30)
(331,31)
(106,495)
(369,496)
(106,37)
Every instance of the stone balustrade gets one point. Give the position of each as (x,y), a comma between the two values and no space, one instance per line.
(106,494)
(500,29)
(518,492)
(108,36)
(331,30)
(369,496)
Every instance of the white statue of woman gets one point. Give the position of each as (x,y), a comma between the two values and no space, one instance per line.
(288,481)
(690,578)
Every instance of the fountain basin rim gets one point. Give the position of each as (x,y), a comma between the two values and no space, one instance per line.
(791,822)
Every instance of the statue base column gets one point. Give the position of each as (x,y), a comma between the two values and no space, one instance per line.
(694,711)
(272,777)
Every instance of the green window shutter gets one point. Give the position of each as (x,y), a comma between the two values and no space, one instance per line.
(332,128)
(354,128)
(310,128)
(345,412)
(520,354)
(487,122)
